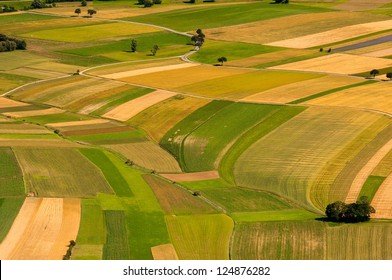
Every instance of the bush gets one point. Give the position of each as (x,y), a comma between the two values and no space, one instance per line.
(8,44)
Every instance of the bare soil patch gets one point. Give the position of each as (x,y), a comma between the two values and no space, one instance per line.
(164,252)
(196,176)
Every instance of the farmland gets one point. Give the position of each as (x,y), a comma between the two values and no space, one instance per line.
(196,131)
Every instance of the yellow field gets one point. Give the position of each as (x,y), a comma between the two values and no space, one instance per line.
(23,128)
(380,53)
(38,143)
(269,57)
(164,252)
(357,5)
(131,108)
(149,70)
(42,230)
(294,91)
(148,155)
(78,123)
(9,103)
(334,35)
(377,96)
(161,117)
(365,172)
(196,176)
(338,64)
(382,201)
(282,28)
(176,78)
(21,114)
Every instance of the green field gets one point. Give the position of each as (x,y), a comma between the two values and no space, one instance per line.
(202,237)
(116,246)
(371,186)
(9,208)
(56,118)
(201,17)
(11,178)
(109,170)
(60,172)
(111,138)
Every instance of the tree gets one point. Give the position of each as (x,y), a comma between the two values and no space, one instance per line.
(83,3)
(389,75)
(374,73)
(37,4)
(91,12)
(359,211)
(154,50)
(148,3)
(222,59)
(78,11)
(133,45)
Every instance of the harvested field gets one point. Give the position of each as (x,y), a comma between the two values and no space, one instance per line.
(60,173)
(376,96)
(382,200)
(261,59)
(173,79)
(164,252)
(201,237)
(91,32)
(298,90)
(175,200)
(384,168)
(338,64)
(93,130)
(42,230)
(359,5)
(22,114)
(129,109)
(195,176)
(23,128)
(37,143)
(158,119)
(296,240)
(279,167)
(149,70)
(148,155)
(334,35)
(380,53)
(239,86)
(34,73)
(78,123)
(365,172)
(9,103)
(9,209)
(282,28)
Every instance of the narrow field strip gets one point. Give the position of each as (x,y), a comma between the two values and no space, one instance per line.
(365,172)
(195,176)
(332,36)
(9,103)
(382,200)
(380,53)
(77,123)
(23,128)
(164,252)
(150,70)
(41,143)
(338,63)
(132,108)
(302,89)
(33,113)
(42,229)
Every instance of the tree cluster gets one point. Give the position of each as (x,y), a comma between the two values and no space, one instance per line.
(8,44)
(350,213)
(198,40)
(148,3)
(7,9)
(281,1)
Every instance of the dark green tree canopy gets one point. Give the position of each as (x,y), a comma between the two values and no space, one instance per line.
(359,211)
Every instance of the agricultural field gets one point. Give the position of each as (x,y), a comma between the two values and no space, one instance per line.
(205,131)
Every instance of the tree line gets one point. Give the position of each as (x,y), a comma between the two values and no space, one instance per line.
(8,44)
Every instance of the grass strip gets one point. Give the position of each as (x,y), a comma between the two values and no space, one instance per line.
(371,186)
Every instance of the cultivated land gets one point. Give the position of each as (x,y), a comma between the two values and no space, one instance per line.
(176,156)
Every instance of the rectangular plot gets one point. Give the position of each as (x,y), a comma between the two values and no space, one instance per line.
(11,178)
(116,246)
(201,237)
(92,32)
(23,128)
(33,113)
(60,172)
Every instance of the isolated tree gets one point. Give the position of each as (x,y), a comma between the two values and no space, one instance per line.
(91,12)
(389,75)
(133,45)
(154,50)
(374,72)
(222,59)
(83,3)
(78,11)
